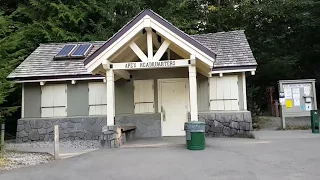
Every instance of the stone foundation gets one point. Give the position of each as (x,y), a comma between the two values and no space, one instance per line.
(85,128)
(73,128)
(148,125)
(227,124)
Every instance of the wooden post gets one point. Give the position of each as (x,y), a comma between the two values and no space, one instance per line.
(193,90)
(110,97)
(2,134)
(56,142)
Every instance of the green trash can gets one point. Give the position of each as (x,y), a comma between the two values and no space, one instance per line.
(195,135)
(314,121)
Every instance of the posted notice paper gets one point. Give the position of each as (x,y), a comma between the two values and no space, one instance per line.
(288,103)
(287,93)
(296,93)
(296,102)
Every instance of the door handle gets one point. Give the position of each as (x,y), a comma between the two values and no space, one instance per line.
(163,113)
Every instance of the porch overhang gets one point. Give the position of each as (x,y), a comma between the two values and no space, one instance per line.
(145,21)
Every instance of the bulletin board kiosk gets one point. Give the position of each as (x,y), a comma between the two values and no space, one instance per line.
(297,98)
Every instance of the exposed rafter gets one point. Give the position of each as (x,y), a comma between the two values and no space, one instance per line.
(163,48)
(135,48)
(155,40)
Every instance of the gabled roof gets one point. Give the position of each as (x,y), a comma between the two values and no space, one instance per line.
(40,63)
(159,19)
(233,51)
(232,48)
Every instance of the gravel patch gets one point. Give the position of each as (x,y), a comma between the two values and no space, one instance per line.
(13,160)
(89,144)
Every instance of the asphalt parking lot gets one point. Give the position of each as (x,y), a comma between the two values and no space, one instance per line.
(224,158)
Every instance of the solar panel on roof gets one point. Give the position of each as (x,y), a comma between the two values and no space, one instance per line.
(81,50)
(66,50)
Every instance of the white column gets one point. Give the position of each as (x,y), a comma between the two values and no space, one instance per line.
(149,44)
(110,97)
(193,91)
(22,102)
(244,89)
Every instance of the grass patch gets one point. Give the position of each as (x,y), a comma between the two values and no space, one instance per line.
(3,160)
(258,122)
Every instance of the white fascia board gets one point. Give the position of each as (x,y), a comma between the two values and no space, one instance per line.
(125,38)
(182,43)
(231,71)
(64,79)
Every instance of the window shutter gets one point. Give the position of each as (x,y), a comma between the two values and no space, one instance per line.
(59,94)
(224,93)
(47,112)
(53,100)
(47,96)
(97,98)
(143,96)
(234,93)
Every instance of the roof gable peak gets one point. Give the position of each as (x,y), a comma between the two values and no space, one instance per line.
(157,21)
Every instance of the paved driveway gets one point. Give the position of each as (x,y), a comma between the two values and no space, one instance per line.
(223,159)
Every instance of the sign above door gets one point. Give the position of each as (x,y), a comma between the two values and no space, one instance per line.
(151,64)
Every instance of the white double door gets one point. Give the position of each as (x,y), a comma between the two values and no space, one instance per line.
(174,105)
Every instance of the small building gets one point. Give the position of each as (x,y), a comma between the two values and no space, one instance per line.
(149,74)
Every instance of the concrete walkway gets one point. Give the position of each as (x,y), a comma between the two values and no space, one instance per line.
(287,134)
(156,142)
(64,152)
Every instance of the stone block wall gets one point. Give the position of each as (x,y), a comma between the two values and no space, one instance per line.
(85,128)
(148,125)
(227,124)
(72,128)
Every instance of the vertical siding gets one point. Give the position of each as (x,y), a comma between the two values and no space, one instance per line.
(124,97)
(77,99)
(32,100)
(203,93)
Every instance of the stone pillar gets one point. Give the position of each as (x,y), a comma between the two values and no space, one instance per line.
(193,89)
(112,137)
(110,97)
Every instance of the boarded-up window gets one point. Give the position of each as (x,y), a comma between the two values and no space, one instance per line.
(143,96)
(224,93)
(54,100)
(97,98)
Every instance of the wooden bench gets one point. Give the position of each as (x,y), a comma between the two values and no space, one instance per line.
(128,132)
(115,136)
